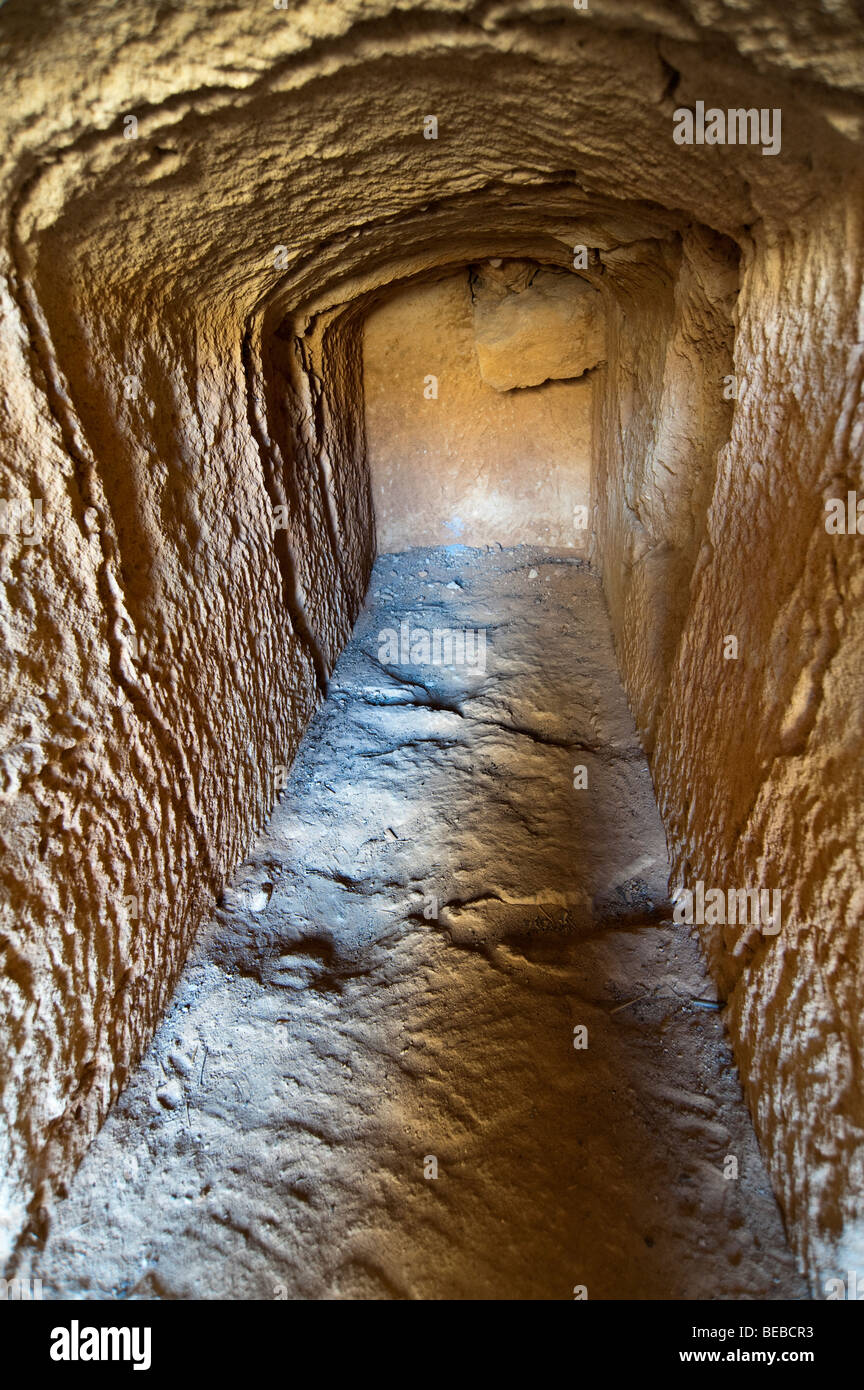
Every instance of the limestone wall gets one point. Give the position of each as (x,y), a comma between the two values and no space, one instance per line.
(776,734)
(456,460)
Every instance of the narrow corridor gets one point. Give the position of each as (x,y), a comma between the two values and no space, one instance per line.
(441,1038)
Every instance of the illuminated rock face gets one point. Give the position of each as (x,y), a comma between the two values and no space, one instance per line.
(202,214)
(553,328)
(457,460)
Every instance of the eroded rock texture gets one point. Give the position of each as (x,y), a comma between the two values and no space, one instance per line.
(204,203)
(548,327)
(367,1084)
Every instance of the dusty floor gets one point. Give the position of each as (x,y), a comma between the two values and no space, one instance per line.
(328,1039)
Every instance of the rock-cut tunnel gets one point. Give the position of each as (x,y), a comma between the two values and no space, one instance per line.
(431,686)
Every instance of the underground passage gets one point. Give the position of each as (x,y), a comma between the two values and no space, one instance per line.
(432,658)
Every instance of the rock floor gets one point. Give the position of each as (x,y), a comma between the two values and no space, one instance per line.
(396,980)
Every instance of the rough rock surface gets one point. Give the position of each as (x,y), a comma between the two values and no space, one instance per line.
(181,352)
(552,327)
(326,1040)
